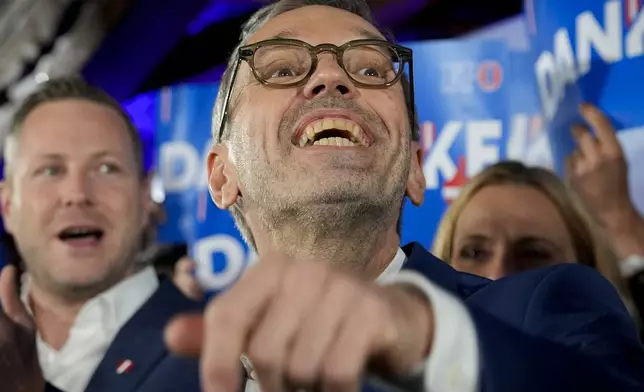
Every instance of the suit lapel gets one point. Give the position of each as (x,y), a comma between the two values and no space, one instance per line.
(140,342)
(459,283)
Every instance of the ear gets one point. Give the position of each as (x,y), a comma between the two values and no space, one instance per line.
(222,177)
(146,198)
(416,180)
(5,205)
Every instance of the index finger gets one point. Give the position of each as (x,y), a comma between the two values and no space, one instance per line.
(604,130)
(229,320)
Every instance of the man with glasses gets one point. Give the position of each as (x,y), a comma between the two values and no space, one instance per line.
(315,148)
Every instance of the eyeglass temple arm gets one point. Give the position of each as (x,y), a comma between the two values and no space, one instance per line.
(412,102)
(224,116)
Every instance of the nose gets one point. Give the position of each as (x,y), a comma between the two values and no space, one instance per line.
(329,79)
(499,265)
(76,190)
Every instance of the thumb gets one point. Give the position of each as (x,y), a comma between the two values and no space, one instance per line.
(184,335)
(10,300)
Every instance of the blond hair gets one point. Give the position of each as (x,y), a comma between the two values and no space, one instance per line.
(70,87)
(587,244)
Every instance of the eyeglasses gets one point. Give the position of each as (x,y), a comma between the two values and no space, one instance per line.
(287,63)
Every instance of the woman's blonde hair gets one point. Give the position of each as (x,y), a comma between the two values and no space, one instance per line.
(589,248)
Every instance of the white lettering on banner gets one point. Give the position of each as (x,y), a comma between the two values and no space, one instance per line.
(481,149)
(524,130)
(180,154)
(457,77)
(554,70)
(539,153)
(460,77)
(518,139)
(235,261)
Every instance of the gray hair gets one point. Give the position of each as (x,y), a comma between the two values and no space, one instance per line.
(254,23)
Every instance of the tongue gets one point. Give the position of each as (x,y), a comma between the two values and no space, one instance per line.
(82,241)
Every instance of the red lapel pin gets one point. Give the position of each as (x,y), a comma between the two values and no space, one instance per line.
(125,366)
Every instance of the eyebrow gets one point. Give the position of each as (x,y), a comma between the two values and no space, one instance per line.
(543,240)
(283,34)
(476,236)
(57,156)
(368,34)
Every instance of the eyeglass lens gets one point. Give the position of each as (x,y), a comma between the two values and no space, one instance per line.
(286,64)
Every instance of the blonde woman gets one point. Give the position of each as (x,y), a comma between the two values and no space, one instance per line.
(510,218)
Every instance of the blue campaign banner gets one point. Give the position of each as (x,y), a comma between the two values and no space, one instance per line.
(461,93)
(183,142)
(590,51)
(527,140)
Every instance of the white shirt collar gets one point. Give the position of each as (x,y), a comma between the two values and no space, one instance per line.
(114,306)
(393,268)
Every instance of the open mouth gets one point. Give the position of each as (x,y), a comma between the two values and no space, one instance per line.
(339,132)
(81,235)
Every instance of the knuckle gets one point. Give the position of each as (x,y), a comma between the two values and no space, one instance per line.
(338,375)
(218,313)
(262,357)
(374,307)
(614,157)
(213,375)
(301,373)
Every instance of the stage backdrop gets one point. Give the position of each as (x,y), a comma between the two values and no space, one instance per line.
(591,51)
(468,121)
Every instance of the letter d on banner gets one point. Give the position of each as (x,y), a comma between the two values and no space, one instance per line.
(221,260)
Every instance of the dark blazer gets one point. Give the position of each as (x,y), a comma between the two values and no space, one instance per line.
(141,341)
(561,328)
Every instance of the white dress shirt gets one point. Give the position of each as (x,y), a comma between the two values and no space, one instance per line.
(631,266)
(99,320)
(453,364)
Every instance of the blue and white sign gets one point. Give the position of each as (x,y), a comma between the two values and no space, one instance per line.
(184,140)
(461,94)
(591,51)
(527,139)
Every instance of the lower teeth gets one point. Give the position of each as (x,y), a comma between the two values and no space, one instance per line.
(334,141)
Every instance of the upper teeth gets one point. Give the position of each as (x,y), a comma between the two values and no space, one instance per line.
(357,135)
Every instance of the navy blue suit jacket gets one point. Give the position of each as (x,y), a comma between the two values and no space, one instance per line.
(141,341)
(561,328)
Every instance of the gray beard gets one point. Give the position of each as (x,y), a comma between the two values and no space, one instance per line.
(341,226)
